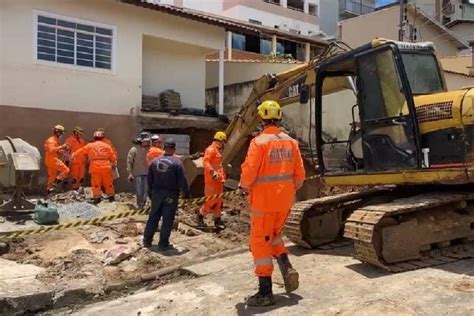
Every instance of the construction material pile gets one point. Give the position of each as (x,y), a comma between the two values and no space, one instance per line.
(170,100)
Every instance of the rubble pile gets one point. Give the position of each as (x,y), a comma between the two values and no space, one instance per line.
(78,210)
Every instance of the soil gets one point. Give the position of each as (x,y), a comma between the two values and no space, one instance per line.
(83,253)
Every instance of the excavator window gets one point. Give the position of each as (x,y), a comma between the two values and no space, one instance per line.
(420,68)
(388,134)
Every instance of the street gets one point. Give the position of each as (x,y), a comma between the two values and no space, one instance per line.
(331,283)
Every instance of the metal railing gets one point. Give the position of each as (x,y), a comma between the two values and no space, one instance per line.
(355,7)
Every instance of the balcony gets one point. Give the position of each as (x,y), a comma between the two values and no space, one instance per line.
(354,7)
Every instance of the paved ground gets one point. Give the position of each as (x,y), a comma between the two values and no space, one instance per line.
(332,283)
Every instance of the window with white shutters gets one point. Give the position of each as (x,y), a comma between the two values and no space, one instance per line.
(73,42)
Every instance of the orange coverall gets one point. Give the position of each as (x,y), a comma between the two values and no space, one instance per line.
(109,142)
(212,162)
(55,167)
(101,159)
(272,173)
(154,152)
(78,166)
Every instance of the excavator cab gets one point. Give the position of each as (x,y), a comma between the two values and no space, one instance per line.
(382,133)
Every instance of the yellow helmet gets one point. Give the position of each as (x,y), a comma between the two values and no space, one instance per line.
(220,136)
(269,110)
(59,128)
(78,129)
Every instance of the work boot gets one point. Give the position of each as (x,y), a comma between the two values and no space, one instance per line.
(264,296)
(218,223)
(112,198)
(200,220)
(290,276)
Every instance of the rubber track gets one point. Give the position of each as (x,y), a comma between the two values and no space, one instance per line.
(360,227)
(320,206)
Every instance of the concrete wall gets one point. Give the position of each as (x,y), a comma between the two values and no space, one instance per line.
(235,96)
(118,91)
(465,31)
(455,81)
(307,24)
(161,60)
(34,126)
(237,72)
(267,13)
(384,23)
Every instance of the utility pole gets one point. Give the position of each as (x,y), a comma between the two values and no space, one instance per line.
(401,31)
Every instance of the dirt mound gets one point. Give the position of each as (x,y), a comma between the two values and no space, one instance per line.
(80,264)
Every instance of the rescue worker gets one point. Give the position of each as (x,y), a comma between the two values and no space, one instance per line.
(101,161)
(271,174)
(78,167)
(57,170)
(214,178)
(137,168)
(155,150)
(107,140)
(165,181)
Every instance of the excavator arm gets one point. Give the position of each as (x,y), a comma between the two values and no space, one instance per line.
(283,87)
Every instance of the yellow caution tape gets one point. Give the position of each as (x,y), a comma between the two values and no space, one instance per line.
(107,218)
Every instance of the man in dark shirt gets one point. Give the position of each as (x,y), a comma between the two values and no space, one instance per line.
(165,181)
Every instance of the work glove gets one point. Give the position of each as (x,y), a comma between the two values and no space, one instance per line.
(130,178)
(215,176)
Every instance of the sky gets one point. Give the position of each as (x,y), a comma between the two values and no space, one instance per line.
(383,2)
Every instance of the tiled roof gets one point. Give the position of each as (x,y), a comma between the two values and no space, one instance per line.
(239,56)
(457,65)
(225,22)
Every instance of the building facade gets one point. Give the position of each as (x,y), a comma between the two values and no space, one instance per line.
(88,63)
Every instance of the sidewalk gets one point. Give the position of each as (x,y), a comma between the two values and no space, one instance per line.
(331,283)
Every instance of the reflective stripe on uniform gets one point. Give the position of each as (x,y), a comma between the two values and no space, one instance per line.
(277,240)
(274,178)
(263,261)
(257,213)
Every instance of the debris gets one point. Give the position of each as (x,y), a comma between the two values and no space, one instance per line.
(78,210)
(118,254)
(98,237)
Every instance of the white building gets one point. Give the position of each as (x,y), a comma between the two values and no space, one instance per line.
(89,63)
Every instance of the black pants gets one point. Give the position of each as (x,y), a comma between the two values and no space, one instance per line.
(163,205)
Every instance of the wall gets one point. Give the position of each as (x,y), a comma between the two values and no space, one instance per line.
(171,65)
(244,13)
(34,96)
(34,126)
(328,20)
(235,96)
(53,87)
(455,81)
(384,23)
(465,31)
(236,72)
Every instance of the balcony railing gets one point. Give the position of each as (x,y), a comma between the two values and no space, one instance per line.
(355,7)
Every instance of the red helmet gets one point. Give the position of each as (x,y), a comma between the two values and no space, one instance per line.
(99,134)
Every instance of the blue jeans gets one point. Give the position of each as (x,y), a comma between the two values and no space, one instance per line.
(141,188)
(163,205)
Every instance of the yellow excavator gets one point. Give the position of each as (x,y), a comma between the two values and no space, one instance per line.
(399,136)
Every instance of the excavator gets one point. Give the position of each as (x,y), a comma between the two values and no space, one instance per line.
(405,141)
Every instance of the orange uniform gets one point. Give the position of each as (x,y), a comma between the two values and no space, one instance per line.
(101,158)
(154,152)
(272,172)
(212,162)
(109,142)
(78,166)
(57,170)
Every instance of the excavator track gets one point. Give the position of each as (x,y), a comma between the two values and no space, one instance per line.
(329,214)
(415,232)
